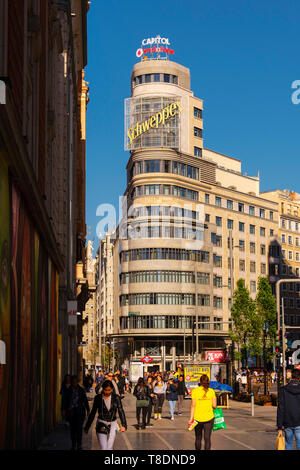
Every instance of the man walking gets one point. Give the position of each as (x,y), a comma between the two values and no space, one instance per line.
(288,411)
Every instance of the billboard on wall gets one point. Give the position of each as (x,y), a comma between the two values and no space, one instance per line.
(152,122)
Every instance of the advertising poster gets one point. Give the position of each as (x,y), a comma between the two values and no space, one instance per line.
(192,375)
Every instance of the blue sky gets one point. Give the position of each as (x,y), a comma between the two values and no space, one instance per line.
(243,56)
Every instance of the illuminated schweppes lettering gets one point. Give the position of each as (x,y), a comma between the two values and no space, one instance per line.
(156,120)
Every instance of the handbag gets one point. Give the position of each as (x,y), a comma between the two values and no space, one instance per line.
(140,403)
(280,443)
(102,428)
(219,422)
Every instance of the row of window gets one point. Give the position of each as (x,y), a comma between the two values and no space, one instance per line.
(252,228)
(288,239)
(217,261)
(240,207)
(166,211)
(166,189)
(290,224)
(290,302)
(169,321)
(289,286)
(216,240)
(164,166)
(290,255)
(165,231)
(155,77)
(158,276)
(164,253)
(204,300)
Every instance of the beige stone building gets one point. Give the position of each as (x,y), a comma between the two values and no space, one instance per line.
(89,316)
(196,224)
(285,254)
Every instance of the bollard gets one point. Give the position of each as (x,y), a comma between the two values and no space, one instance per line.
(252,404)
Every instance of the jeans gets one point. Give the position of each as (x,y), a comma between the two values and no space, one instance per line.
(106,441)
(159,402)
(289,438)
(172,405)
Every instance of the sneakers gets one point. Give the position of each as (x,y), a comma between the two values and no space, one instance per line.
(179,414)
(172,418)
(149,425)
(155,416)
(159,416)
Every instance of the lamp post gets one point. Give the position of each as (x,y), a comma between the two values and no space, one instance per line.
(265,329)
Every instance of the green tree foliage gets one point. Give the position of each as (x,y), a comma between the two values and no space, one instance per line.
(266,313)
(245,327)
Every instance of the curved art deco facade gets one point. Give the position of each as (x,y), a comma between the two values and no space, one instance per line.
(173,264)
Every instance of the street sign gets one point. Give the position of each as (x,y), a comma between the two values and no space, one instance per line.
(147,359)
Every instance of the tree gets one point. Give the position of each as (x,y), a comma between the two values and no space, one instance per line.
(266,312)
(245,325)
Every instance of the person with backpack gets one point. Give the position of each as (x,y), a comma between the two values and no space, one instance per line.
(108,404)
(288,411)
(203,403)
(142,394)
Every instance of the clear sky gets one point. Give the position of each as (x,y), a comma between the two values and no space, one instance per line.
(243,56)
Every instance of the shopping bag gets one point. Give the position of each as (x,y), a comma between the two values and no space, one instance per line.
(219,422)
(280,443)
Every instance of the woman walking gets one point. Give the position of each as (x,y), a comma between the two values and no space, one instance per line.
(172,396)
(151,401)
(142,394)
(76,404)
(107,403)
(203,402)
(159,391)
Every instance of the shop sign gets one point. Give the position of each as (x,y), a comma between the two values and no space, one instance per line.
(147,359)
(216,356)
(72,312)
(158,119)
(155,46)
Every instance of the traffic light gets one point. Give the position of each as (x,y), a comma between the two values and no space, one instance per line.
(278,347)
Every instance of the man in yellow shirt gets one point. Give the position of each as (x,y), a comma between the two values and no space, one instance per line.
(203,402)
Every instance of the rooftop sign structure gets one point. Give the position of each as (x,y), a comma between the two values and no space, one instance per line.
(155,48)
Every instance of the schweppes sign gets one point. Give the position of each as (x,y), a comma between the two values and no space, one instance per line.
(156,120)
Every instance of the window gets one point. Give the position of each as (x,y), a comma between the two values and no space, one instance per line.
(283,238)
(139,79)
(217,260)
(198,113)
(251,210)
(262,213)
(290,240)
(218,201)
(271,215)
(218,281)
(242,265)
(252,247)
(229,204)
(204,300)
(290,255)
(197,152)
(203,278)
(151,166)
(262,249)
(166,77)
(242,245)
(148,78)
(241,226)
(262,231)
(218,302)
(283,254)
(230,224)
(207,217)
(206,198)
(271,232)
(241,207)
(174,79)
(252,229)
(252,267)
(296,241)
(262,268)
(252,286)
(218,221)
(156,77)
(198,132)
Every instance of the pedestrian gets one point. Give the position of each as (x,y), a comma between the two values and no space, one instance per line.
(108,404)
(120,385)
(182,391)
(151,401)
(172,396)
(203,402)
(66,384)
(159,391)
(99,377)
(288,411)
(77,405)
(88,381)
(142,394)
(109,376)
